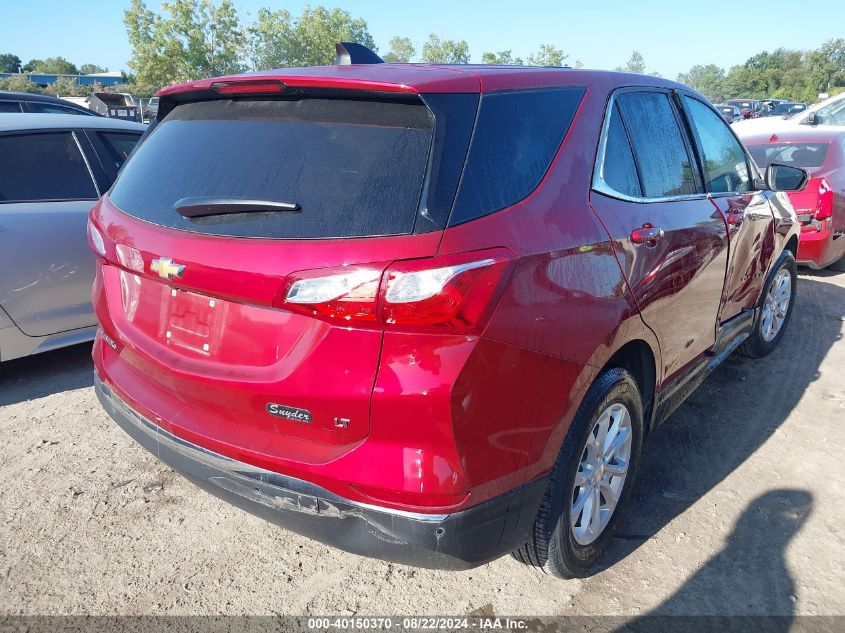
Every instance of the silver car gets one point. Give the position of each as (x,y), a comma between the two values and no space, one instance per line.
(53,167)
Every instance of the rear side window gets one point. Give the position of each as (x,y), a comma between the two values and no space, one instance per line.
(666,169)
(50,108)
(41,167)
(619,171)
(347,167)
(722,158)
(10,106)
(118,146)
(516,137)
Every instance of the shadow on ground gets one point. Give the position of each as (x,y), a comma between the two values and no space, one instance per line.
(750,574)
(45,374)
(727,419)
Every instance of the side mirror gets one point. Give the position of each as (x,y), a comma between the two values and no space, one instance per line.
(811,119)
(786,178)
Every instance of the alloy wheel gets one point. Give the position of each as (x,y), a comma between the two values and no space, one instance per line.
(601,474)
(776,305)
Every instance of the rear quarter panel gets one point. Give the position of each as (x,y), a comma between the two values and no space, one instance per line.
(564,312)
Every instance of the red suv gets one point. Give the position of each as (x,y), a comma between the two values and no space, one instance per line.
(429,313)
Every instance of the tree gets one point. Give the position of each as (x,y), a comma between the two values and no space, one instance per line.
(635,64)
(67,87)
(91,69)
(547,55)
(437,51)
(55,66)
(189,40)
(708,80)
(18,83)
(502,57)
(9,63)
(269,37)
(30,65)
(275,40)
(401,50)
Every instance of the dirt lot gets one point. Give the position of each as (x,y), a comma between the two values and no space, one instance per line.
(739,509)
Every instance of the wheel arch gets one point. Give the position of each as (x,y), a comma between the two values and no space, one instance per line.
(792,246)
(637,357)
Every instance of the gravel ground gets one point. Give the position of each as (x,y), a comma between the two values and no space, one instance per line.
(738,509)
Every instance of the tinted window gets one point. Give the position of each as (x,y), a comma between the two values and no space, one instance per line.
(723,160)
(10,106)
(804,155)
(659,148)
(118,146)
(354,168)
(43,167)
(50,108)
(516,137)
(618,170)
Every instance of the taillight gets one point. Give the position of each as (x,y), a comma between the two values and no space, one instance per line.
(349,293)
(98,245)
(824,208)
(454,293)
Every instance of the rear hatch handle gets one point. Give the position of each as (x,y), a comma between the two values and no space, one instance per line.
(199,207)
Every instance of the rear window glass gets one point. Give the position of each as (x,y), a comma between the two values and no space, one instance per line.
(804,155)
(36,167)
(118,147)
(619,170)
(347,167)
(661,153)
(516,137)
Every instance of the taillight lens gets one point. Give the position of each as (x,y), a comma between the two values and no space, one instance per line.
(454,293)
(824,208)
(98,244)
(343,294)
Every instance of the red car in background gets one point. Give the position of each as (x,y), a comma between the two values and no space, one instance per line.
(429,313)
(749,108)
(820,207)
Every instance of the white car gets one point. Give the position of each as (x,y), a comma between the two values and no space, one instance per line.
(828,112)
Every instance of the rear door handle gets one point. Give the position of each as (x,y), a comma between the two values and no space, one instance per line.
(648,235)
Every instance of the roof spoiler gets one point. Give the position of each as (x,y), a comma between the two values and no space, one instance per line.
(348,53)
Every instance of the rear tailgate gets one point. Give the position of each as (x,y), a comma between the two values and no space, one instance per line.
(189,301)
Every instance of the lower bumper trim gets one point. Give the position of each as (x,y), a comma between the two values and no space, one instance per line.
(460,540)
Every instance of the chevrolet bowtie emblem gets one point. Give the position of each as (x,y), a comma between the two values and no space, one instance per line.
(166,269)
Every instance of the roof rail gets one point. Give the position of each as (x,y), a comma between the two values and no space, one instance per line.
(348,53)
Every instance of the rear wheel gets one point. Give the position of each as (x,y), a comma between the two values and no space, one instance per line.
(776,305)
(591,480)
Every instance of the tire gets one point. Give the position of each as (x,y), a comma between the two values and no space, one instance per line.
(761,342)
(553,545)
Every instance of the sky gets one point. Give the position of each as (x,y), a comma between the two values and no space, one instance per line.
(671,35)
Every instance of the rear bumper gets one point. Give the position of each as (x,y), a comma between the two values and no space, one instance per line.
(460,540)
(818,250)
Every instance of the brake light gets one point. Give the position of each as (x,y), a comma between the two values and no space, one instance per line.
(349,293)
(824,208)
(98,245)
(248,87)
(455,294)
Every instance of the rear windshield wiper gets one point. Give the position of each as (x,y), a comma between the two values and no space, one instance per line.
(200,207)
